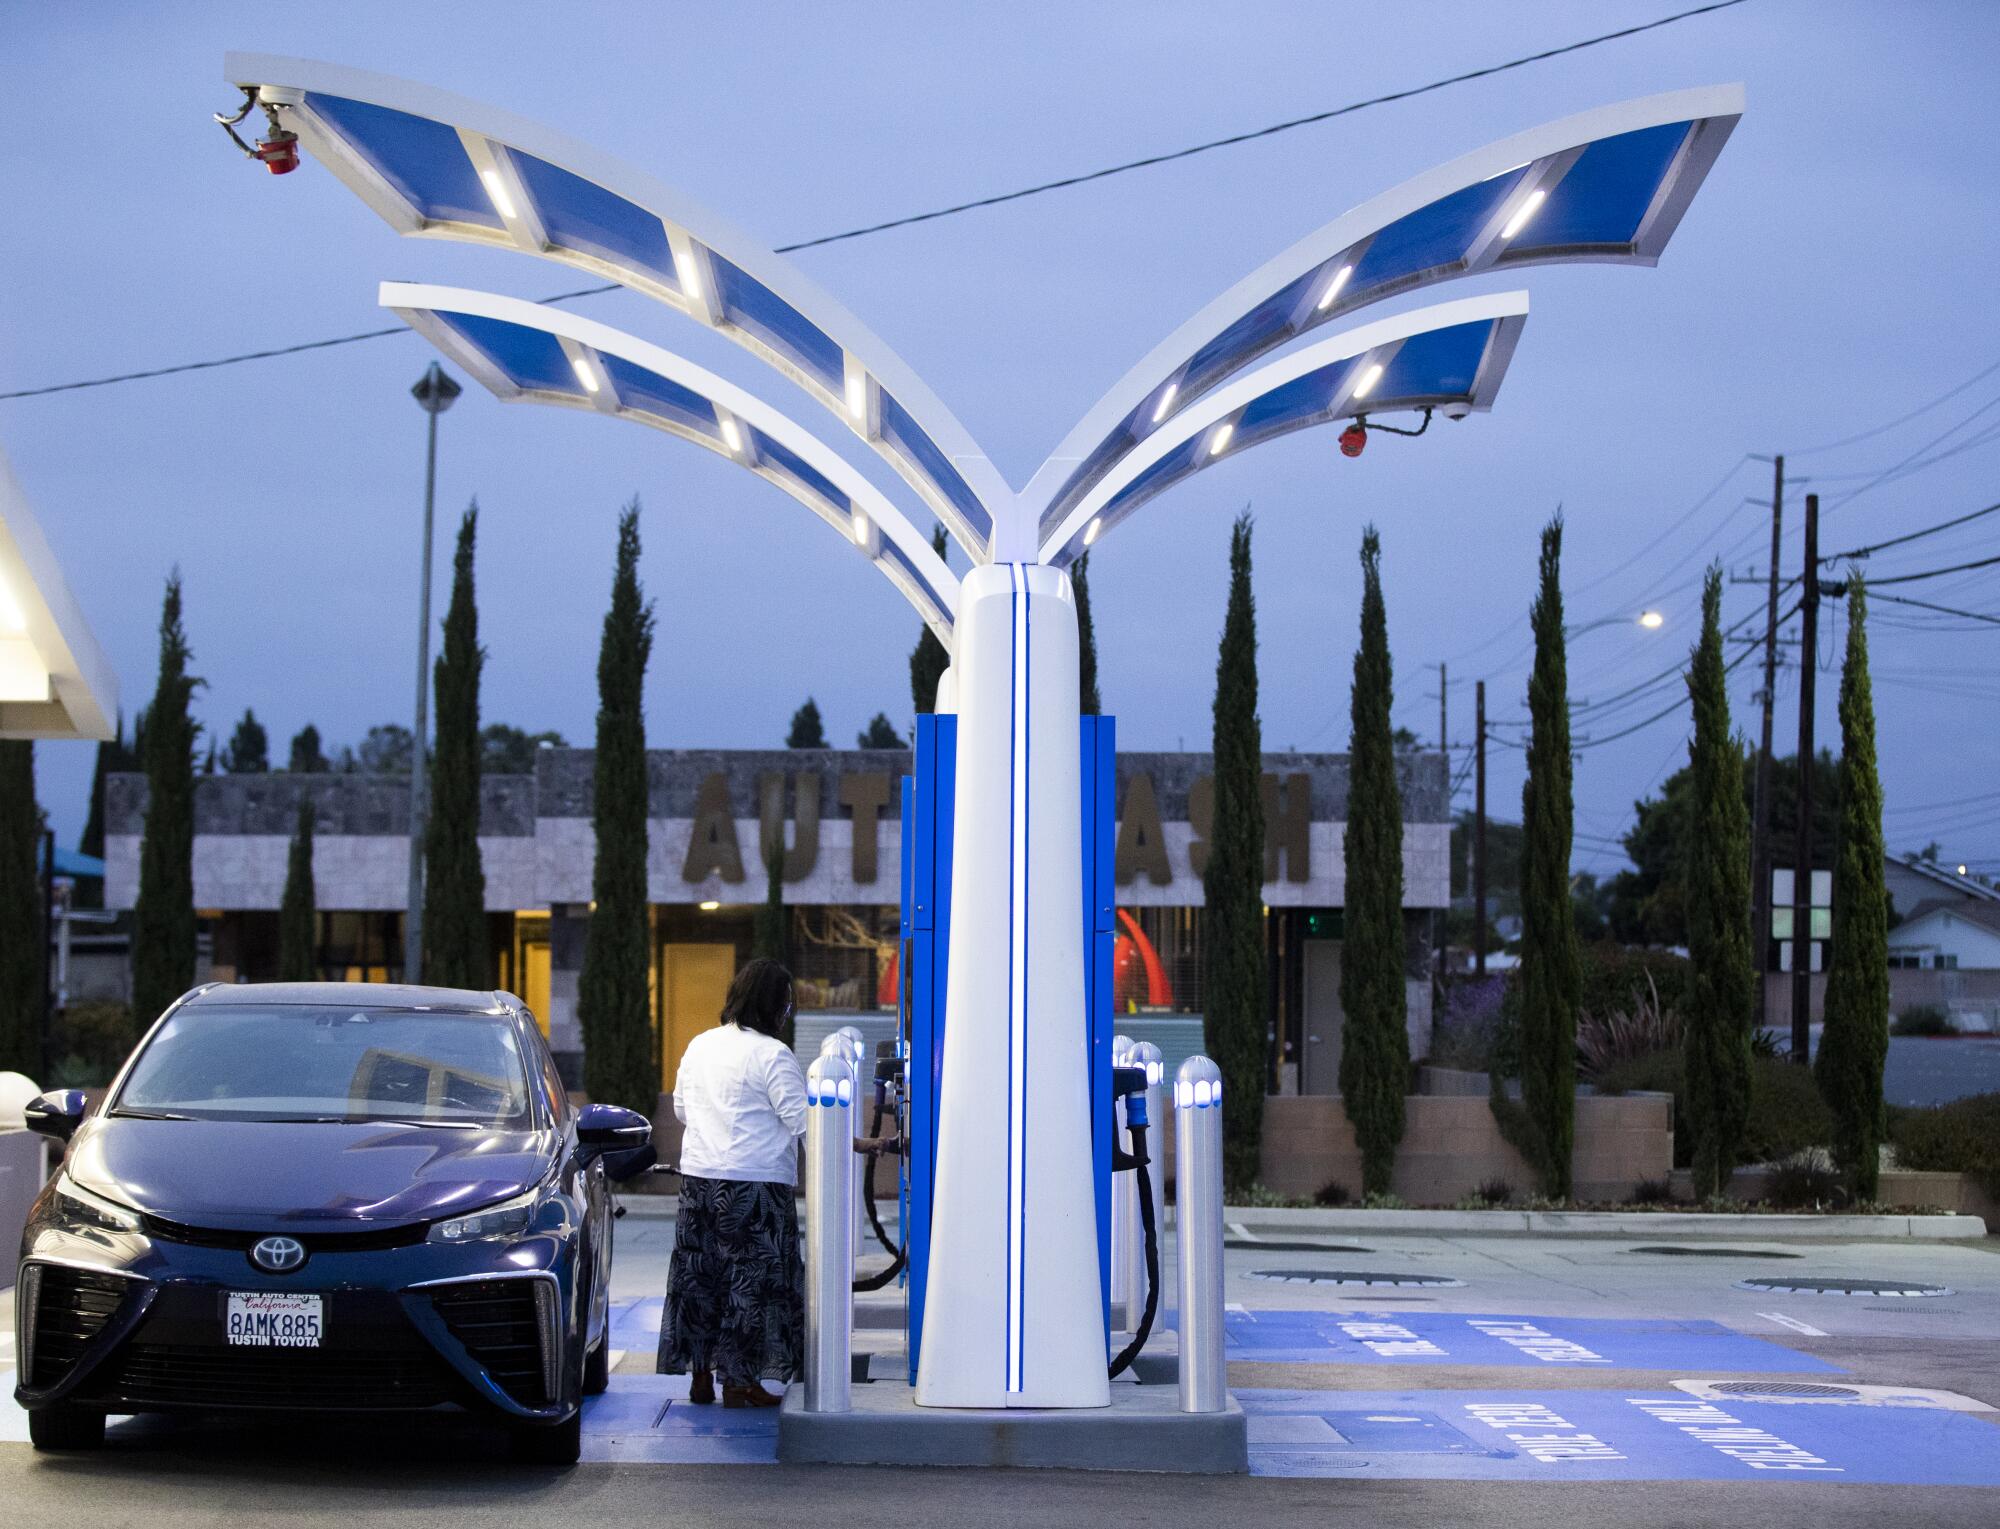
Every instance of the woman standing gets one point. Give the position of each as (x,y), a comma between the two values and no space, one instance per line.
(736,1290)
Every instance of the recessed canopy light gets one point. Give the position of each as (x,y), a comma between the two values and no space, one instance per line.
(1090,534)
(584,374)
(12,617)
(690,275)
(497,189)
(860,529)
(857,394)
(1522,213)
(1166,402)
(1368,380)
(1333,288)
(1222,434)
(731,436)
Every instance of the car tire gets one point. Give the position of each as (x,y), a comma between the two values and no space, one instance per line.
(597,1368)
(62,1427)
(545,1444)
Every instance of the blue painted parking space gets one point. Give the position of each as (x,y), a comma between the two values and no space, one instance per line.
(1648,1435)
(647,1419)
(1567,1343)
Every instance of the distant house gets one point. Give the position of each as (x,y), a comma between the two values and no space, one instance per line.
(1961,935)
(1916,886)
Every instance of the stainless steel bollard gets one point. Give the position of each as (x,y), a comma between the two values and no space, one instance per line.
(841,1043)
(1122,1204)
(1145,1054)
(1198,1202)
(830,1096)
(864,1079)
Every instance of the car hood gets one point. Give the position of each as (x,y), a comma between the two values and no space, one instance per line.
(247,1175)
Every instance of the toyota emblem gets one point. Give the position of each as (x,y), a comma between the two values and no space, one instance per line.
(279,1255)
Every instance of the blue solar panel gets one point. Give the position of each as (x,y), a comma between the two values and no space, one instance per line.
(1439,364)
(1607,191)
(1257,331)
(903,433)
(1290,403)
(748,302)
(1433,235)
(638,388)
(530,358)
(422,160)
(771,454)
(581,215)
(895,554)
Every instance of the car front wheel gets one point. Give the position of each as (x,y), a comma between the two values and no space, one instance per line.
(65,1428)
(560,1444)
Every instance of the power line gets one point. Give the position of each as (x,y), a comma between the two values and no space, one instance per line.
(1039,189)
(1916,413)
(1897,541)
(1944,610)
(1933,573)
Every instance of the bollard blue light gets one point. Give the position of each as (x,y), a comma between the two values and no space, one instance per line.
(829,1230)
(1198,1201)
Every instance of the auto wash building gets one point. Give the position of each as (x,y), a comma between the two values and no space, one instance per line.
(716,814)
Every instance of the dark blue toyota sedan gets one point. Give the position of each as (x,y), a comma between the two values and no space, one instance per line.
(324,1196)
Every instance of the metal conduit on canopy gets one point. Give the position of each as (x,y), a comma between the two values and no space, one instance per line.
(1608,185)
(1450,354)
(526,352)
(436,165)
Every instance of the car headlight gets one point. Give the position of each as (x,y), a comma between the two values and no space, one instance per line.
(80,1205)
(510,1218)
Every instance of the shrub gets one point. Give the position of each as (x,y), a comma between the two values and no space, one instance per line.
(1332,1193)
(93,1040)
(1787,1114)
(1384,1202)
(1639,1028)
(1924,1019)
(1467,1033)
(1805,1181)
(1960,1137)
(1765,1043)
(1616,978)
(1494,1192)
(1653,1192)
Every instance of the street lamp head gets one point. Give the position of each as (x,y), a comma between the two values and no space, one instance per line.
(1652,621)
(435,390)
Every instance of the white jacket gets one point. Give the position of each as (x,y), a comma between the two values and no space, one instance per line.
(742,1098)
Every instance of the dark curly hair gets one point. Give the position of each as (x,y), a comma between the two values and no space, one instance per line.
(760,998)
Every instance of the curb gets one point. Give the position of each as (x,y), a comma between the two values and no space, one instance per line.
(1590,1223)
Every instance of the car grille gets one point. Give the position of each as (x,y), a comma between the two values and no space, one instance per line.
(184,1375)
(371,1240)
(498,1322)
(71,1308)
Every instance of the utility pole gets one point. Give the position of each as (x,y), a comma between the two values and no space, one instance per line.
(1803,839)
(1444,752)
(433,392)
(1760,797)
(1479,834)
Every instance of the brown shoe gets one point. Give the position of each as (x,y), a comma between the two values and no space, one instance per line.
(749,1396)
(702,1390)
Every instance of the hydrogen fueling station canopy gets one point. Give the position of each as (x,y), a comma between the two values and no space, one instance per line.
(1606,185)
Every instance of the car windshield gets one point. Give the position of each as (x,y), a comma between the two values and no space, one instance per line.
(322,1063)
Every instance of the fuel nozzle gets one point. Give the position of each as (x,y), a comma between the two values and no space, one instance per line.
(1129,1084)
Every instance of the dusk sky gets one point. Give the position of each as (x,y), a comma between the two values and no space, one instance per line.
(1835,275)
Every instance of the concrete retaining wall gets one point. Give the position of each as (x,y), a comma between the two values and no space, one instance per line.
(1452,1145)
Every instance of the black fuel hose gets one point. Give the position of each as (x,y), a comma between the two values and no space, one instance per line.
(1144,1190)
(900,1256)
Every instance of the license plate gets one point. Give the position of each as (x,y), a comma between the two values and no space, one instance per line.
(266,1319)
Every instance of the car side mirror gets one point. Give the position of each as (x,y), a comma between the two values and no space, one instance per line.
(56,1114)
(602,1128)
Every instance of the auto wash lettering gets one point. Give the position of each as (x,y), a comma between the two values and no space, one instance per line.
(1536,1342)
(1541,1432)
(1757,1448)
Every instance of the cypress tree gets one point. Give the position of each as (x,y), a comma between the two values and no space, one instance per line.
(21,937)
(163,917)
(1856,1038)
(298,915)
(1719,1010)
(879,734)
(612,993)
(1086,639)
(307,757)
(808,732)
(249,751)
(1551,968)
(929,659)
(455,949)
(1233,1021)
(1375,1044)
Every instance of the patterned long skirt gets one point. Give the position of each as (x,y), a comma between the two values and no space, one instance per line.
(736,1288)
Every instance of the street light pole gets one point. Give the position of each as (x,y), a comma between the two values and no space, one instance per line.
(1802,841)
(433,392)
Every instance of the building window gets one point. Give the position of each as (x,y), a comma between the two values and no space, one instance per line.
(843,958)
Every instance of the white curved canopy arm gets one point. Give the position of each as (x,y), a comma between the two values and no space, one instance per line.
(513,183)
(1347,360)
(1308,285)
(741,423)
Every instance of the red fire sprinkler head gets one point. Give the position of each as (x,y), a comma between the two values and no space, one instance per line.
(1353,439)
